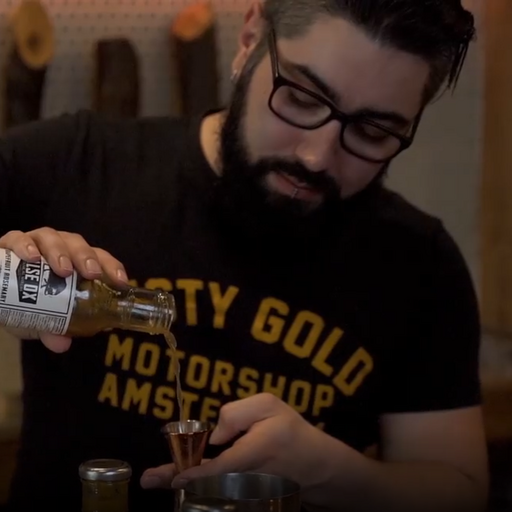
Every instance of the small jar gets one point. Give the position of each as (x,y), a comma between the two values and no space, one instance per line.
(105,485)
(207,504)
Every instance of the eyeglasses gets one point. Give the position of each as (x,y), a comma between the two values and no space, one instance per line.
(361,136)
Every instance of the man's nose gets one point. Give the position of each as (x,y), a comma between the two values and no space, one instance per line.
(317,148)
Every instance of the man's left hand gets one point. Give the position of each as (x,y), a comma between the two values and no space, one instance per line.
(275,439)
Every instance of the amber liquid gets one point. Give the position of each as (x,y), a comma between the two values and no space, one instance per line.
(171,341)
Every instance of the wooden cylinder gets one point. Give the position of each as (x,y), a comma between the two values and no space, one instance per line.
(27,62)
(116,81)
(193,39)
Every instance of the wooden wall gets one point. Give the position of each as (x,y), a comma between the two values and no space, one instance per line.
(496,191)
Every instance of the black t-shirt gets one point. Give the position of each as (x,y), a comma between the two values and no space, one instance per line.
(386,321)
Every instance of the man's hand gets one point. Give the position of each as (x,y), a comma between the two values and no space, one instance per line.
(64,252)
(276,440)
(333,476)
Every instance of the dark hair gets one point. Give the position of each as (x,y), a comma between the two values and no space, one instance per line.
(439,31)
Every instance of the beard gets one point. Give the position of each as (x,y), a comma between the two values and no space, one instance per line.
(259,217)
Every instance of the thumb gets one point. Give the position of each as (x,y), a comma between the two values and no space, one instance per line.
(52,342)
(55,343)
(234,460)
(159,477)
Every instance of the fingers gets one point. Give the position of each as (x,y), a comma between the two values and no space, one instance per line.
(160,477)
(58,344)
(112,267)
(92,263)
(237,417)
(70,251)
(53,342)
(22,244)
(242,457)
(64,252)
(44,242)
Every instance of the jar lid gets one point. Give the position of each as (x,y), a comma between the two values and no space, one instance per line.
(105,470)
(207,504)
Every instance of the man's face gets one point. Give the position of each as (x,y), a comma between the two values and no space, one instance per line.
(292,177)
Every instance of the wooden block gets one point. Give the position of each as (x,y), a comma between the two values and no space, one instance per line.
(33,34)
(23,92)
(116,81)
(27,63)
(193,42)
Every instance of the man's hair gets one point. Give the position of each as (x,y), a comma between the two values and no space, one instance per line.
(439,31)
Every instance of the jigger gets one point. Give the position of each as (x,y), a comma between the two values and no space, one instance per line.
(187,441)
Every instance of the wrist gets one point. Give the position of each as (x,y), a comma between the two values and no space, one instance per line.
(337,473)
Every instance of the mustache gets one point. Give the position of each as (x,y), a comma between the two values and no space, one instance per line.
(318,180)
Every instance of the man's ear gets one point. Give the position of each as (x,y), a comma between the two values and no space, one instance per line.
(249,36)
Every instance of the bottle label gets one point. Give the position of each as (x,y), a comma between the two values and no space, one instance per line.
(33,297)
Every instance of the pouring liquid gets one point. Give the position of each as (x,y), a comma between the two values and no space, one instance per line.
(171,342)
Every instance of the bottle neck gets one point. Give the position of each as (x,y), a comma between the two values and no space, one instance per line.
(146,311)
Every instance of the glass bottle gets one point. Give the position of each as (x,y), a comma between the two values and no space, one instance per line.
(105,485)
(35,299)
(207,504)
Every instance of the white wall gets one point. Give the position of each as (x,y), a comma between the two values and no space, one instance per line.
(441,172)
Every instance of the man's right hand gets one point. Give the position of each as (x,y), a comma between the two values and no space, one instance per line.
(64,252)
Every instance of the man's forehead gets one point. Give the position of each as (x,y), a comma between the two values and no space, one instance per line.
(359,72)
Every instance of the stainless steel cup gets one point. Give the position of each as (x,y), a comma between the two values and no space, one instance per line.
(250,492)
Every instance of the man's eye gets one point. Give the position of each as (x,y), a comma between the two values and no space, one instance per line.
(302,99)
(371,132)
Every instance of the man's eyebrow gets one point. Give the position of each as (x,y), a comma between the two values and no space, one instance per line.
(373,113)
(382,115)
(328,91)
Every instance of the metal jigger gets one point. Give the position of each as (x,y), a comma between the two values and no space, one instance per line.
(187,441)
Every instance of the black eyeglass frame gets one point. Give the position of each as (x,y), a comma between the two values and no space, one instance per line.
(335,114)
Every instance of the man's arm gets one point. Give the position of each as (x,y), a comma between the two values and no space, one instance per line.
(430,462)
(450,448)
(433,446)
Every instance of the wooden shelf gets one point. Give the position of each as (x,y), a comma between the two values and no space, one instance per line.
(496,184)
(497,410)
(10,427)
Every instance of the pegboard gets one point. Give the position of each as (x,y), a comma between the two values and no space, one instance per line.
(78,24)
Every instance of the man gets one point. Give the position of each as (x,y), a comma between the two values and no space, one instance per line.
(324,312)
